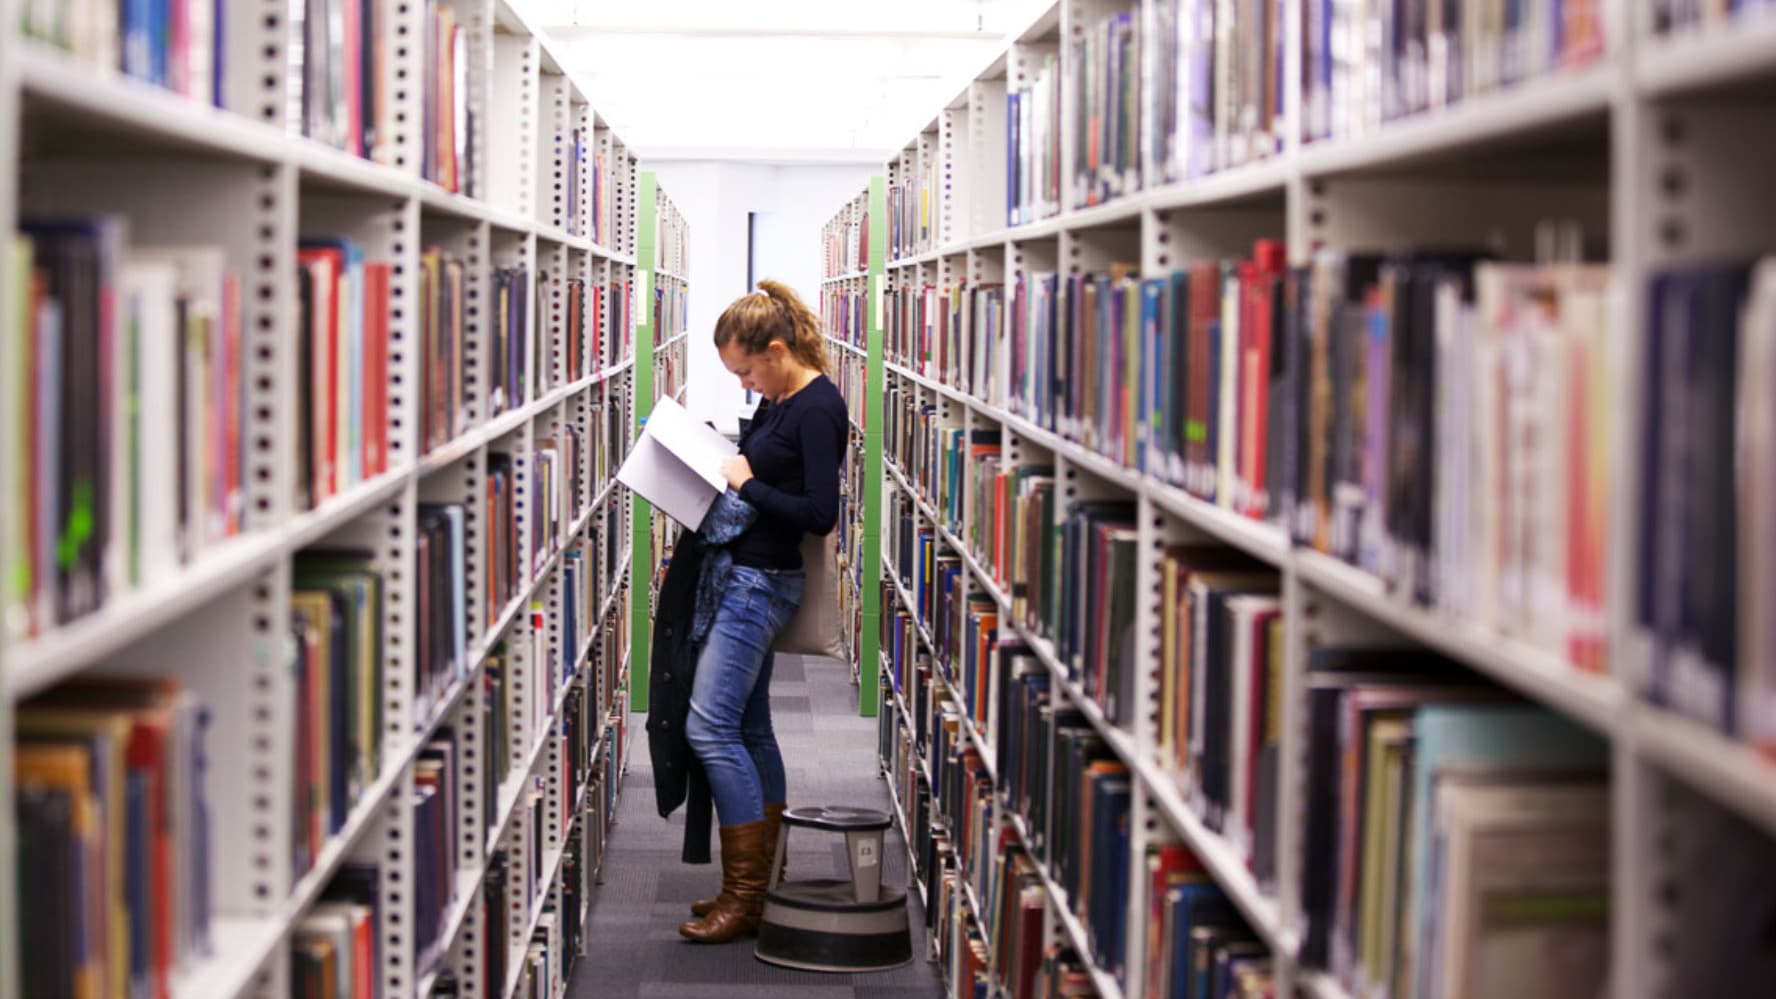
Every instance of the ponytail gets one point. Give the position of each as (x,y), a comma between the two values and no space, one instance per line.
(774,312)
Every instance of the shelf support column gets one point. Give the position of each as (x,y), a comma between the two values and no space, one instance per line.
(869,661)
(641,565)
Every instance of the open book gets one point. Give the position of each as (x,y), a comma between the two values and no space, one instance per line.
(676,465)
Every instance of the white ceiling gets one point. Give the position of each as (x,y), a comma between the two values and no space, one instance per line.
(778,80)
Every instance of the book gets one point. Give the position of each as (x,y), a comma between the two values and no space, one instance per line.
(676,464)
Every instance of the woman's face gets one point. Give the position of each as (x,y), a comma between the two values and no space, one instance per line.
(768,372)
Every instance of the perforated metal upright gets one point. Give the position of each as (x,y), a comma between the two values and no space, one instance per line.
(9,127)
(513,119)
(557,138)
(476,18)
(553,270)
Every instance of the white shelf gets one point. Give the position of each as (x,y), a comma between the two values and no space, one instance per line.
(85,94)
(1537,106)
(853,276)
(1731,771)
(39,663)
(1265,178)
(847,347)
(1542,676)
(1698,59)
(239,948)
(1320,985)
(1257,538)
(913,260)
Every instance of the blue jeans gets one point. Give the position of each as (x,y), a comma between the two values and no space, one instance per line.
(729,727)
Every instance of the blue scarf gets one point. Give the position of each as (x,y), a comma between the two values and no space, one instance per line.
(727,519)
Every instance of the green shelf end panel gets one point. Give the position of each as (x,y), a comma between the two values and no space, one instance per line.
(641,556)
(869,665)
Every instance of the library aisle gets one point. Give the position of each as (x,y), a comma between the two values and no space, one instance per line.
(635,951)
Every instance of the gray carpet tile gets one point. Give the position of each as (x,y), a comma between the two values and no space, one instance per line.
(634,950)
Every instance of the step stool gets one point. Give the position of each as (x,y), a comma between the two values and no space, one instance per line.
(836,924)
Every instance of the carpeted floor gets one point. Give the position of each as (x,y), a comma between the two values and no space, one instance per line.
(635,950)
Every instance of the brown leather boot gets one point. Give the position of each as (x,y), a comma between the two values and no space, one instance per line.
(773,826)
(742,901)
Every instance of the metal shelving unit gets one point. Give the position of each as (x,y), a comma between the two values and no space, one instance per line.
(662,342)
(862,365)
(93,141)
(1652,145)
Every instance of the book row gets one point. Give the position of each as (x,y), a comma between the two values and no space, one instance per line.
(671,370)
(1362,68)
(90,517)
(912,208)
(1033,123)
(844,243)
(606,189)
(522,364)
(849,373)
(1690,15)
(933,330)
(124,367)
(846,315)
(996,857)
(671,310)
(343,363)
(589,170)
(336,945)
(672,239)
(1411,413)
(852,540)
(1170,90)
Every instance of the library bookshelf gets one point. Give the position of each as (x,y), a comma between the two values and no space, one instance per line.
(461,492)
(850,292)
(1639,141)
(661,358)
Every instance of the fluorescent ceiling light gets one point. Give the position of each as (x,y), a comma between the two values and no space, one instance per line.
(773,76)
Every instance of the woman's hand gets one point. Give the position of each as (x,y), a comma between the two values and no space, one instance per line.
(738,470)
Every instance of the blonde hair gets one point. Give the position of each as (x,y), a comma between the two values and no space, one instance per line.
(774,312)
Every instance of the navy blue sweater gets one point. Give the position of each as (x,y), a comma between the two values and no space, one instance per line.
(795,448)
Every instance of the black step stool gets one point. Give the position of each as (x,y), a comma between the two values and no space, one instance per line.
(836,924)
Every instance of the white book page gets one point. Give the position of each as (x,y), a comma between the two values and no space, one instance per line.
(697,445)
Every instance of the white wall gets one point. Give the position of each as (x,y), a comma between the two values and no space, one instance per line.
(793,202)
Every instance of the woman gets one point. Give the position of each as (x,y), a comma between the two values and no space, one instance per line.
(788,470)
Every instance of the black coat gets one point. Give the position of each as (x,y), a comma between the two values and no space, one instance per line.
(672,666)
